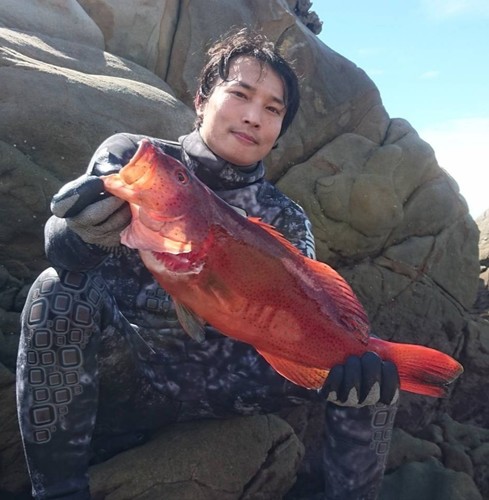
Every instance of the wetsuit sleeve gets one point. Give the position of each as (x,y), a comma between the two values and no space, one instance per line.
(64,248)
(294,224)
(113,154)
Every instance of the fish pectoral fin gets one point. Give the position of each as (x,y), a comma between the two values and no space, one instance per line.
(305,376)
(190,322)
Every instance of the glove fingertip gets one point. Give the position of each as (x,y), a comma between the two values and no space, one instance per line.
(389,390)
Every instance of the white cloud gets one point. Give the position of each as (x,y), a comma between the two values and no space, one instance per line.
(442,9)
(462,149)
(429,75)
(370,51)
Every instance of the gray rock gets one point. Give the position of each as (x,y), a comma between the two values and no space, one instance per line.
(258,459)
(139,32)
(14,477)
(58,18)
(428,481)
(406,448)
(483,224)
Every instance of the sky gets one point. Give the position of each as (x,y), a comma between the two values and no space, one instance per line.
(430,61)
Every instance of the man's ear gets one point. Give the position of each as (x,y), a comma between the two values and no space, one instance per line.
(199,104)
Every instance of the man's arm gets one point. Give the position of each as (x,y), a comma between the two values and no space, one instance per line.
(66,250)
(87,222)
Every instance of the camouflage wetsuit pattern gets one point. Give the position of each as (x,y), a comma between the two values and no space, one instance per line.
(89,378)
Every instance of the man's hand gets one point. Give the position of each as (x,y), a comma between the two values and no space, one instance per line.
(96,217)
(362,381)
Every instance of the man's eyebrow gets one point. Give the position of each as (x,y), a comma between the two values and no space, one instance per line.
(251,88)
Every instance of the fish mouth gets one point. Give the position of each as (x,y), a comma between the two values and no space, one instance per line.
(191,261)
(140,164)
(184,262)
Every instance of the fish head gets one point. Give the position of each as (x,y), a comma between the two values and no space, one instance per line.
(168,203)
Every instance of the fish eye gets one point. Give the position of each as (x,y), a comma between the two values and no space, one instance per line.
(182,176)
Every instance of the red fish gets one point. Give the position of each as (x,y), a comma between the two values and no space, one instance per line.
(243,278)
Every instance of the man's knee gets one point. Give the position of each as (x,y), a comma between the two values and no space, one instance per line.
(64,302)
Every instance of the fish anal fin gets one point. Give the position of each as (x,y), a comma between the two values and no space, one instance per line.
(190,322)
(305,376)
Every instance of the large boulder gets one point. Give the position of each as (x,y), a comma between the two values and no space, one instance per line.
(384,214)
(64,19)
(82,95)
(258,456)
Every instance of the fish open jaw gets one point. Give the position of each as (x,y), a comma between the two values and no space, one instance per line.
(185,262)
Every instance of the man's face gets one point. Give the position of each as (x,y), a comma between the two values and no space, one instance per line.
(242,118)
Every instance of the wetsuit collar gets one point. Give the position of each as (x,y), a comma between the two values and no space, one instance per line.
(213,170)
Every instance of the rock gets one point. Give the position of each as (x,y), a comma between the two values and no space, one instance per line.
(455,458)
(258,456)
(405,448)
(57,18)
(97,102)
(428,481)
(26,192)
(140,32)
(14,477)
(101,95)
(466,447)
(367,202)
(482,303)
(483,224)
(9,338)
(468,403)
(308,18)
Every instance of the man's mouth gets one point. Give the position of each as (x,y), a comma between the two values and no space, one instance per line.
(244,137)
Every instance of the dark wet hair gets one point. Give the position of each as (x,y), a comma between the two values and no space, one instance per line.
(246,42)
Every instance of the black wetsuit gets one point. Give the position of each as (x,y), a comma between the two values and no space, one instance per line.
(86,376)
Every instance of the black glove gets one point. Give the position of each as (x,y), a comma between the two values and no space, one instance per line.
(362,381)
(94,215)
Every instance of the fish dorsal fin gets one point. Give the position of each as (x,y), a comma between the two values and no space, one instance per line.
(276,234)
(190,322)
(349,310)
(305,376)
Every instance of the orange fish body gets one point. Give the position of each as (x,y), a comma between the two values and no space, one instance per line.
(243,278)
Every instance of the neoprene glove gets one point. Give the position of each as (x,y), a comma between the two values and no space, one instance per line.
(362,381)
(97,217)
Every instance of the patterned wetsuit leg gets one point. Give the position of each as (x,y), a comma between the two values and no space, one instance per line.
(57,379)
(357,443)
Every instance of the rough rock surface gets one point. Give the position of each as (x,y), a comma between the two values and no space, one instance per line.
(384,214)
(482,303)
(258,456)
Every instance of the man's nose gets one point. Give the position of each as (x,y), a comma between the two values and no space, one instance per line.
(253,115)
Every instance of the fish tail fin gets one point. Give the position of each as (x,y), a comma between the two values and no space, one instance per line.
(422,370)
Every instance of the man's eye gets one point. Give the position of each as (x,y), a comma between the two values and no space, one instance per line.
(274,110)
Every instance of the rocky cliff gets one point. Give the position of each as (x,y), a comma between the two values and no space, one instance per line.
(384,214)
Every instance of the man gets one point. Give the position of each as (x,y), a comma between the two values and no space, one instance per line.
(102,358)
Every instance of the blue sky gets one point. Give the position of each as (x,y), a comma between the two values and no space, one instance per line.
(430,61)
